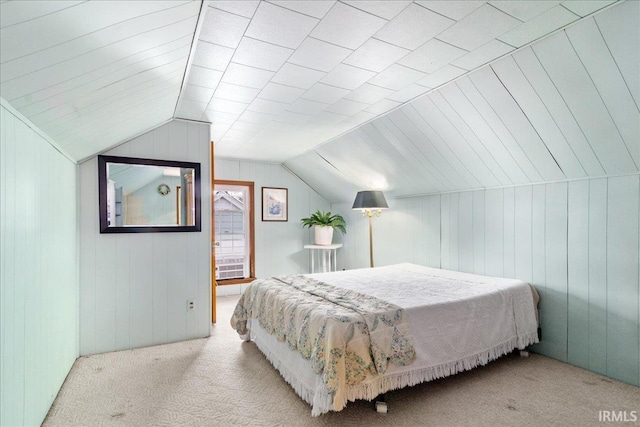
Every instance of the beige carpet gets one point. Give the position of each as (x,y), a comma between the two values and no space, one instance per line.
(221,381)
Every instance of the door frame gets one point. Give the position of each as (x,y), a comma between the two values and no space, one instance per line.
(252,229)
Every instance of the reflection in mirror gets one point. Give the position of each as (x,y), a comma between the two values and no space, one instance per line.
(144,195)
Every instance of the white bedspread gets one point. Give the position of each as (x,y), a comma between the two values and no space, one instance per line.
(458,321)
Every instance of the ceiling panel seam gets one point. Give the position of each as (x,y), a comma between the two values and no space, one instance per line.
(36,129)
(93,50)
(384,126)
(477,137)
(526,184)
(517,149)
(569,109)
(128,91)
(552,116)
(462,137)
(187,68)
(529,121)
(615,124)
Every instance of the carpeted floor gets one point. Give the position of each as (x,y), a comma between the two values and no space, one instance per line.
(221,381)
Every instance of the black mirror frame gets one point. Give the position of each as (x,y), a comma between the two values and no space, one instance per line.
(102,195)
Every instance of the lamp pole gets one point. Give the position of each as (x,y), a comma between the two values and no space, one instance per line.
(370,203)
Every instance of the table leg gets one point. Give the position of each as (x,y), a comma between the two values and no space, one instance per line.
(324,261)
(335,260)
(312,259)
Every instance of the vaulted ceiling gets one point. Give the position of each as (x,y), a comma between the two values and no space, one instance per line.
(563,108)
(347,94)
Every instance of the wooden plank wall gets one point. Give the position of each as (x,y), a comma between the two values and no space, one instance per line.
(38,271)
(576,241)
(134,287)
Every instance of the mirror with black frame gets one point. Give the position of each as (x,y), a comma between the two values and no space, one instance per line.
(148,196)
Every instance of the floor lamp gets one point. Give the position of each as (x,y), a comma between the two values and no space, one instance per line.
(370,203)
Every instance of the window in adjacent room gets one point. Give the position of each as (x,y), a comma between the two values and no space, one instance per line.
(234,234)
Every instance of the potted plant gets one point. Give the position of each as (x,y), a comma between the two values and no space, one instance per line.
(323,224)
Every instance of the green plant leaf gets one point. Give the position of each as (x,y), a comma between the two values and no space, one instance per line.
(325,219)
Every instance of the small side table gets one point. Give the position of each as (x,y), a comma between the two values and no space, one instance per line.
(327,256)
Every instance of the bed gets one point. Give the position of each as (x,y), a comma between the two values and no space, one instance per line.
(415,324)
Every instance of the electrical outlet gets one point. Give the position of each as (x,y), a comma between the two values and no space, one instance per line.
(191,305)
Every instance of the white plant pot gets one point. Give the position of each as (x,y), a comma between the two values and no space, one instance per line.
(324,234)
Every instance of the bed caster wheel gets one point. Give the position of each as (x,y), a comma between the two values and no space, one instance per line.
(381,407)
(524,353)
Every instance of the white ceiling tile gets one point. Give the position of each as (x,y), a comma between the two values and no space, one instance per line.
(244,8)
(217,131)
(238,134)
(319,55)
(226,106)
(323,93)
(346,107)
(347,26)
(223,28)
(383,106)
(204,77)
(432,56)
(292,118)
(305,106)
(296,76)
(454,9)
(408,93)
(256,117)
(236,93)
(329,118)
(396,77)
(478,28)
(539,26)
(246,76)
(484,54)
(442,76)
(369,94)
(256,53)
(212,56)
(384,9)
(413,26)
(376,55)
(279,126)
(251,127)
(281,93)
(347,77)
(280,26)
(260,105)
(197,93)
(524,10)
(585,7)
(361,117)
(317,9)
(219,116)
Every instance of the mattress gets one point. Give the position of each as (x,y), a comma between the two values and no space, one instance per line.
(458,321)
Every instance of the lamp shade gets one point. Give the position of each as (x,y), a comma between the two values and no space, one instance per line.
(370,200)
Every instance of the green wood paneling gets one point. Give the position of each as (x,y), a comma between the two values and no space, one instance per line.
(622,279)
(578,274)
(38,278)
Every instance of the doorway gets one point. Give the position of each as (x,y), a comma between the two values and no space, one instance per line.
(233,237)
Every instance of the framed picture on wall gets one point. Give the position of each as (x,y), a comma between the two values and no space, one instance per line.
(275,204)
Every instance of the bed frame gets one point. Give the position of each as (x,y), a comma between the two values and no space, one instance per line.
(468,311)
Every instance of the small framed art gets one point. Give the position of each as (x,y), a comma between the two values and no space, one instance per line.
(275,204)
